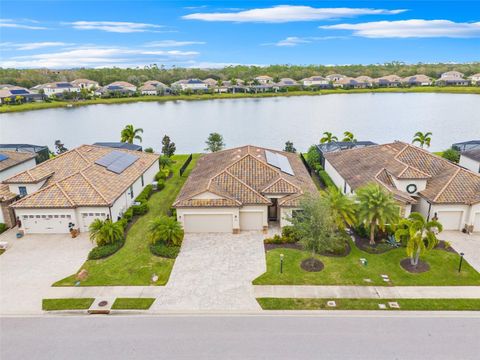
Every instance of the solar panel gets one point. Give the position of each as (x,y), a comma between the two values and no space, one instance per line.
(279,161)
(64,85)
(18,92)
(108,159)
(3,157)
(120,164)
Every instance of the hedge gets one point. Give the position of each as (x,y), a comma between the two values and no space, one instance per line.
(3,227)
(326,179)
(140,209)
(164,250)
(104,251)
(145,194)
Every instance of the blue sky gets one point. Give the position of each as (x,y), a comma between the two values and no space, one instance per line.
(68,34)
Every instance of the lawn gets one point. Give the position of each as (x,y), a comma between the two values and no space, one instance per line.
(132,303)
(349,271)
(368,304)
(133,264)
(67,304)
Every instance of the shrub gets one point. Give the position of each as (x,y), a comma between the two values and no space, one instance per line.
(164,250)
(123,222)
(289,235)
(160,185)
(276,239)
(148,150)
(160,176)
(452,155)
(172,212)
(313,157)
(141,209)
(145,194)
(101,252)
(128,214)
(3,227)
(327,181)
(166,229)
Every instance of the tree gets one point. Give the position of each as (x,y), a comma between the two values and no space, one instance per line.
(289,147)
(105,232)
(313,157)
(168,147)
(19,99)
(451,155)
(129,134)
(375,208)
(341,207)
(418,234)
(166,229)
(164,161)
(422,138)
(59,147)
(214,142)
(328,137)
(7,100)
(349,137)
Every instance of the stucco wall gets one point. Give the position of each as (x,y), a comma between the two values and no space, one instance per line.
(469,164)
(261,209)
(14,170)
(31,188)
(402,184)
(71,212)
(337,178)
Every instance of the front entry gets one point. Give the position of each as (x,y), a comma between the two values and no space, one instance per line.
(273,210)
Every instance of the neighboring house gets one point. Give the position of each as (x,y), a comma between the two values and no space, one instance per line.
(335,77)
(85,84)
(117,87)
(417,80)
(466,145)
(11,163)
(56,88)
(11,94)
(419,180)
(264,79)
(475,79)
(244,188)
(154,87)
(471,160)
(234,86)
(120,145)
(350,83)
(388,81)
(452,78)
(316,81)
(364,81)
(286,82)
(339,146)
(211,83)
(190,84)
(81,185)
(124,85)
(42,153)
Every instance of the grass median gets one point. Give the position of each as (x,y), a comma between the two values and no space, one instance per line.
(67,304)
(132,303)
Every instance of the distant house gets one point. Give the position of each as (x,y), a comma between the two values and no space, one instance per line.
(470,160)
(264,79)
(234,86)
(117,87)
(11,94)
(340,146)
(286,82)
(388,81)
(85,84)
(452,78)
(211,83)
(56,88)
(475,79)
(466,145)
(364,81)
(417,80)
(41,153)
(124,85)
(350,83)
(120,145)
(315,81)
(154,87)
(335,77)
(190,84)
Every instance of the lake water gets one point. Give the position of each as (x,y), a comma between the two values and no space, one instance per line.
(263,121)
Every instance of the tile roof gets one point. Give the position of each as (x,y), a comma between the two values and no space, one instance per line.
(446,182)
(242,176)
(5,193)
(73,179)
(14,158)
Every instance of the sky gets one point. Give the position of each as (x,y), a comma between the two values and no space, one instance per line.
(71,33)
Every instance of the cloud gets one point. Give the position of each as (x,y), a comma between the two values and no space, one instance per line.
(294,40)
(114,26)
(414,28)
(97,57)
(288,13)
(173,43)
(9,23)
(32,46)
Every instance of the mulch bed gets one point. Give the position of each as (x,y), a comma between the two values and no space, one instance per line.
(441,246)
(347,251)
(421,267)
(364,244)
(312,265)
(295,246)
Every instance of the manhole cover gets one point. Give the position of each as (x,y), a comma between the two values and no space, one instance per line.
(103,303)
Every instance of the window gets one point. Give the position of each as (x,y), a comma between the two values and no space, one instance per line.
(143,182)
(131,192)
(22,190)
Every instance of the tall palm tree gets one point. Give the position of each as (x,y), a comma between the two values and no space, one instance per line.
(328,137)
(348,137)
(376,208)
(419,235)
(166,229)
(129,134)
(422,138)
(341,207)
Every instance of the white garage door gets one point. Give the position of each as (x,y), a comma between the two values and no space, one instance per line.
(476,223)
(451,220)
(88,218)
(46,224)
(250,220)
(208,223)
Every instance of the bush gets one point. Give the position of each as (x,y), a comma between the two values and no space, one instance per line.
(160,185)
(160,176)
(141,209)
(123,222)
(451,155)
(148,150)
(128,214)
(101,252)
(313,157)
(289,235)
(327,181)
(3,227)
(145,194)
(164,250)
(276,239)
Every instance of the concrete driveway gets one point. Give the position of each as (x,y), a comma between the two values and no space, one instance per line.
(468,244)
(215,272)
(31,264)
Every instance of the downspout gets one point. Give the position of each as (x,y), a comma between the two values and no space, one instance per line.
(429,209)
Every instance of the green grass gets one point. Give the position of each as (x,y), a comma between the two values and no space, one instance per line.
(59,104)
(66,304)
(133,264)
(132,303)
(368,304)
(349,271)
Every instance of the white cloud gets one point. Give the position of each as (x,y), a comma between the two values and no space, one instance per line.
(32,46)
(115,26)
(288,13)
(173,43)
(415,28)
(9,23)
(294,40)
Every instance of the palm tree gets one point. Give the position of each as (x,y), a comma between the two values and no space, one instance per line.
(129,134)
(419,235)
(105,232)
(349,137)
(7,100)
(341,207)
(375,208)
(328,137)
(166,229)
(164,161)
(422,138)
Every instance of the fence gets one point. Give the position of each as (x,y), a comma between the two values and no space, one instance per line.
(185,164)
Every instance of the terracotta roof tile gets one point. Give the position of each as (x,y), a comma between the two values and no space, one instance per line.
(14,158)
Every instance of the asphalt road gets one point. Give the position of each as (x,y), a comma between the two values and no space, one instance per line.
(337,336)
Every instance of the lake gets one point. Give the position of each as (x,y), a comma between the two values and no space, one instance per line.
(265,122)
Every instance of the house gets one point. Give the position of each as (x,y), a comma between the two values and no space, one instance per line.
(11,94)
(75,188)
(124,85)
(417,80)
(245,188)
(316,81)
(418,180)
(234,86)
(120,145)
(56,88)
(323,149)
(335,77)
(286,82)
(466,145)
(190,84)
(470,160)
(85,84)
(452,78)
(264,80)
(351,83)
(475,79)
(388,81)
(154,87)
(41,153)
(117,87)
(364,81)
(211,83)
(11,163)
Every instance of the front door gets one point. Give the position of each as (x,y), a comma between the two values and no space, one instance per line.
(272,210)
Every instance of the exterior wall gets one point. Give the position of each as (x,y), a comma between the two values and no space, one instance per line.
(194,86)
(472,215)
(54,91)
(14,170)
(337,178)
(31,188)
(423,207)
(21,212)
(465,209)
(286,213)
(402,184)
(95,210)
(469,164)
(234,212)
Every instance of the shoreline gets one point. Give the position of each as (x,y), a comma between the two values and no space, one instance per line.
(149,98)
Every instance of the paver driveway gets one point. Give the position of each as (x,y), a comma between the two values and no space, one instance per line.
(32,264)
(468,244)
(215,272)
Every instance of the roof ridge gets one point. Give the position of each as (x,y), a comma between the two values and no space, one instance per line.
(93,186)
(281,178)
(65,194)
(248,186)
(447,184)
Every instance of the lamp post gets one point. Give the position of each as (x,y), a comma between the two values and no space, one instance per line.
(461,260)
(281,263)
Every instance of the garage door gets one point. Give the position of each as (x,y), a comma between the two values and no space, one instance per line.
(251,220)
(88,218)
(451,220)
(208,223)
(46,224)
(476,223)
